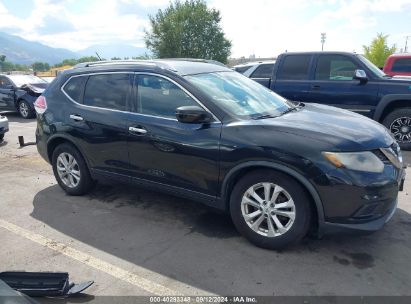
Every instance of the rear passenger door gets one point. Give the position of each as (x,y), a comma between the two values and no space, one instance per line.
(97,119)
(334,85)
(292,77)
(163,150)
(263,74)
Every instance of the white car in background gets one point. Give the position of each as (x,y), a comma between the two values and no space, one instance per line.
(260,69)
(4,126)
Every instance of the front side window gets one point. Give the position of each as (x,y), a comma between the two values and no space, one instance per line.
(335,67)
(158,96)
(239,95)
(263,71)
(108,91)
(402,65)
(295,67)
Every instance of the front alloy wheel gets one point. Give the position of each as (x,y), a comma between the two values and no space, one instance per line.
(399,123)
(268,209)
(24,109)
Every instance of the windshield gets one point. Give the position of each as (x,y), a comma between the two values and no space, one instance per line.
(20,80)
(239,95)
(371,66)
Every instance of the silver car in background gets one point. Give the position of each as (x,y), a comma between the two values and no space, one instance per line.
(4,126)
(260,69)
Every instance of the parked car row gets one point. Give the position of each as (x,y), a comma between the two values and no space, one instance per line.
(202,131)
(344,80)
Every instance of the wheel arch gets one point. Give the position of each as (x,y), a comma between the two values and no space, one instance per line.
(238,171)
(56,140)
(389,103)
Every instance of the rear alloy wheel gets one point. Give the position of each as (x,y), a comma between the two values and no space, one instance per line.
(70,170)
(25,110)
(270,209)
(399,124)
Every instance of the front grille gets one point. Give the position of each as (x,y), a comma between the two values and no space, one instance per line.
(381,156)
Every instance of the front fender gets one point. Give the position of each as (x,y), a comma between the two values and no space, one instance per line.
(386,101)
(267,164)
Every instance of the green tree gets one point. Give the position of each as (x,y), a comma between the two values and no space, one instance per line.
(40,66)
(378,51)
(187,29)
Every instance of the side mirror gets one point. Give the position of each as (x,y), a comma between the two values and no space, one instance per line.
(193,114)
(360,75)
(10,87)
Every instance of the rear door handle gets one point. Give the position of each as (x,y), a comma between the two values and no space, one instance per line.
(76,117)
(137,131)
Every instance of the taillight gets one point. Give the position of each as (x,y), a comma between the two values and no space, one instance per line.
(40,105)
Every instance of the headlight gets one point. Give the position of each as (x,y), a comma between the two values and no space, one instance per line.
(358,161)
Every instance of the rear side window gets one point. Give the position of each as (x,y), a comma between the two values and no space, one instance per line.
(241,70)
(402,65)
(74,88)
(159,97)
(108,91)
(295,67)
(335,67)
(263,71)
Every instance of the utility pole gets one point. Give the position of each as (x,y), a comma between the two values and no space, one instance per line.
(323,36)
(406,43)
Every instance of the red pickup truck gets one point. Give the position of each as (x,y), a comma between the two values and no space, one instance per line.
(398,65)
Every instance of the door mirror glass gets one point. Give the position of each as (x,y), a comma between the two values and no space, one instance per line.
(192,114)
(360,75)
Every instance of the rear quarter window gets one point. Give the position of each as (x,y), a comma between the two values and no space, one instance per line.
(74,88)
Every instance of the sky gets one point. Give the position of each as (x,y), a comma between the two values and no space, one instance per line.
(260,27)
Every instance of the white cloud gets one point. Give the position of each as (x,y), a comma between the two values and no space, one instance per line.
(263,27)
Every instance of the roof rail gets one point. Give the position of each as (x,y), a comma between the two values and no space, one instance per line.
(196,60)
(109,62)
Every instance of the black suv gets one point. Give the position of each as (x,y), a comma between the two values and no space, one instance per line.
(205,132)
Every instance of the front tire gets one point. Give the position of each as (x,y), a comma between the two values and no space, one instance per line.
(1,137)
(399,124)
(70,170)
(25,110)
(270,209)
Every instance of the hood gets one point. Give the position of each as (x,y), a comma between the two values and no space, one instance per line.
(36,88)
(342,129)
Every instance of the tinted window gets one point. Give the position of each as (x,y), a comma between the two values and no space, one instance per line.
(107,91)
(242,69)
(4,82)
(335,67)
(295,67)
(263,71)
(159,97)
(402,65)
(74,88)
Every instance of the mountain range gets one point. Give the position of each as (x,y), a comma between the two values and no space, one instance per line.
(22,51)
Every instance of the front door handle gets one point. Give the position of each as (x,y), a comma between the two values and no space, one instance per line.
(76,117)
(137,131)
(315,87)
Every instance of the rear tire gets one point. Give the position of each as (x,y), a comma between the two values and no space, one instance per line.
(70,170)
(399,124)
(285,208)
(25,110)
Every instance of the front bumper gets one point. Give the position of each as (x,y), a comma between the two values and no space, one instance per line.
(356,202)
(4,125)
